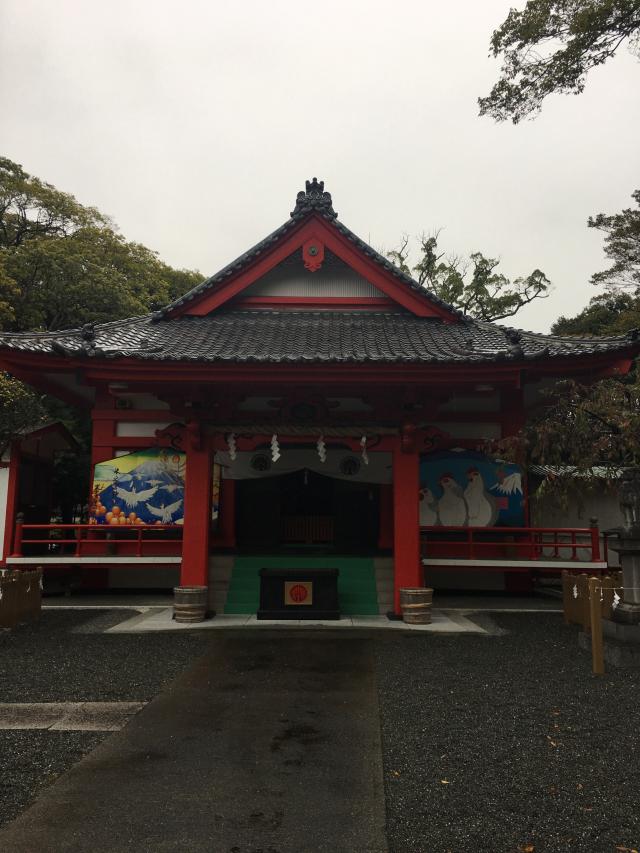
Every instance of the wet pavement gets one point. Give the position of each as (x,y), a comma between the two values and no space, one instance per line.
(269,746)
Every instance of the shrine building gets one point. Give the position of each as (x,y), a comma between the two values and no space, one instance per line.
(308,405)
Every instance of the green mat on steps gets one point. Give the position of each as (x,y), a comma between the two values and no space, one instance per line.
(356,581)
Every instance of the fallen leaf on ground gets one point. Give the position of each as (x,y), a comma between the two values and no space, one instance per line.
(444,781)
(526,848)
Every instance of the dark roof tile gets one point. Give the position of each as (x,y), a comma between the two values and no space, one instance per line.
(307,336)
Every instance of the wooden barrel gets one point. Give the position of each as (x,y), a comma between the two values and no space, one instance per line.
(190,603)
(415,604)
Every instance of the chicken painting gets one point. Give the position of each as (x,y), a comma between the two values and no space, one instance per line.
(452,506)
(428,509)
(481,504)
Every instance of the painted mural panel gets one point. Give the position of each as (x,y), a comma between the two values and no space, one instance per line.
(463,488)
(143,487)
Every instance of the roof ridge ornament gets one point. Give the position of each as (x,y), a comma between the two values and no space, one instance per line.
(314,198)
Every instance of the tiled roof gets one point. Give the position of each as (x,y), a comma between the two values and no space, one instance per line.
(309,336)
(312,200)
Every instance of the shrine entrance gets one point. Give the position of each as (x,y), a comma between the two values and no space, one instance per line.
(304,511)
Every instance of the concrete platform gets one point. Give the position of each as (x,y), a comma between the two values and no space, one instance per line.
(68,716)
(162,620)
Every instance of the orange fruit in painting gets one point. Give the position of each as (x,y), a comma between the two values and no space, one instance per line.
(108,517)
(158,522)
(113,521)
(116,510)
(138,521)
(132,516)
(122,519)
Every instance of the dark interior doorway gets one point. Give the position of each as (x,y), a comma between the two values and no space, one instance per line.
(307,511)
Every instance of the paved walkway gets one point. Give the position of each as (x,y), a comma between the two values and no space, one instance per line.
(162,620)
(268,745)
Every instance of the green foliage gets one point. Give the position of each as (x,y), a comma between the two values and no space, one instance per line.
(581,428)
(20,409)
(62,264)
(611,313)
(617,310)
(550,45)
(471,285)
(621,246)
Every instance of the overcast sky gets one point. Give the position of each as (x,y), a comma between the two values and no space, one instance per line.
(194,124)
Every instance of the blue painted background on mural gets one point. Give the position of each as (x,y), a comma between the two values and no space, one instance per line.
(468,489)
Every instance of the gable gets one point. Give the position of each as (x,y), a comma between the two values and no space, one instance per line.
(291,280)
(311,260)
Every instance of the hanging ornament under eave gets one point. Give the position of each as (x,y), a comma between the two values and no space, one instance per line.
(363,445)
(231,444)
(322,449)
(616,600)
(275,448)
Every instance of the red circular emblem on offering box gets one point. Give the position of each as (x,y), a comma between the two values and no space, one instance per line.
(298,593)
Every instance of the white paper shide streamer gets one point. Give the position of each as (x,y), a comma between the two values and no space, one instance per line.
(231,444)
(322,449)
(363,445)
(275,448)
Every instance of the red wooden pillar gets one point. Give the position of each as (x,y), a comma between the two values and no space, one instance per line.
(406,531)
(11,509)
(197,511)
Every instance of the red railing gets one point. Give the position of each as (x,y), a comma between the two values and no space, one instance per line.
(96,540)
(512,543)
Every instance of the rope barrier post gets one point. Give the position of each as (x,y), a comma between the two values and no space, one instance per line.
(595,611)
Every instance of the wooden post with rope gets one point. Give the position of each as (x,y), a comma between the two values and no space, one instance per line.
(595,612)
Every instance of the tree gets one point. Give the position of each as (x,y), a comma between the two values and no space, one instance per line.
(550,46)
(621,246)
(20,409)
(611,313)
(580,428)
(472,284)
(63,264)
(617,310)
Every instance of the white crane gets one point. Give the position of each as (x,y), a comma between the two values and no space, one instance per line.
(165,513)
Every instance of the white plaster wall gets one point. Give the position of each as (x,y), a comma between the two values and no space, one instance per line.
(488,403)
(602,505)
(136,429)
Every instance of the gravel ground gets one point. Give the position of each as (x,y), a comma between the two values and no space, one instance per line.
(507,743)
(62,658)
(492,744)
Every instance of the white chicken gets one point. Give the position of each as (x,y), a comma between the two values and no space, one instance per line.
(483,511)
(452,507)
